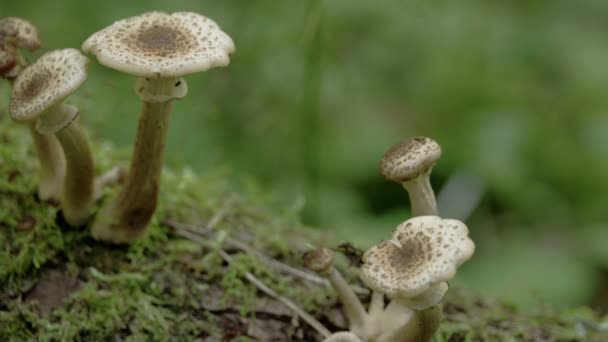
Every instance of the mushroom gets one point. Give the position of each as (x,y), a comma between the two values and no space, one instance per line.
(38,97)
(321,260)
(159,48)
(15,34)
(410,163)
(413,267)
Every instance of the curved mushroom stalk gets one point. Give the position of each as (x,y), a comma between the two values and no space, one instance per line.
(78,188)
(37,97)
(52,166)
(125,218)
(159,48)
(422,196)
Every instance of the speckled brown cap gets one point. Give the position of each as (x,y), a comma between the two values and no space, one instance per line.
(23,34)
(157,44)
(52,78)
(409,158)
(425,251)
(320,260)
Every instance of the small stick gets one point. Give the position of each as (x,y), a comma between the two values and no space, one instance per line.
(113,176)
(204,231)
(313,322)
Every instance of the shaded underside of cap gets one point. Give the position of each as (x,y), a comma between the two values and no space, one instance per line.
(409,158)
(157,44)
(49,80)
(425,251)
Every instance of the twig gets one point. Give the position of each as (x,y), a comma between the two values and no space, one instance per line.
(313,322)
(233,243)
(113,176)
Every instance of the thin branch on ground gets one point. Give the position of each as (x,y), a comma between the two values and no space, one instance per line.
(313,322)
(271,262)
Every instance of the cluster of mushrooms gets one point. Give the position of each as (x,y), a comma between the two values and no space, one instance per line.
(159,48)
(412,268)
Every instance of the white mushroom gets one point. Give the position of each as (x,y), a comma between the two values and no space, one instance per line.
(413,267)
(410,163)
(38,95)
(321,260)
(425,251)
(15,34)
(159,48)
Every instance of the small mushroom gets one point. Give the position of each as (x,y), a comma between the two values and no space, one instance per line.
(15,34)
(410,163)
(321,260)
(38,96)
(160,48)
(414,266)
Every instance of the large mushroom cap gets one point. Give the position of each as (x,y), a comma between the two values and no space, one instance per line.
(425,251)
(409,158)
(157,44)
(52,78)
(23,32)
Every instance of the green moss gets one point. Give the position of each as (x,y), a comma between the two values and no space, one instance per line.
(164,287)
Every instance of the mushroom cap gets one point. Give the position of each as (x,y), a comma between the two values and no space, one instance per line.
(425,251)
(320,260)
(53,77)
(23,32)
(158,44)
(409,158)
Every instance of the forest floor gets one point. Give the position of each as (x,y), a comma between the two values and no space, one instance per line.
(190,277)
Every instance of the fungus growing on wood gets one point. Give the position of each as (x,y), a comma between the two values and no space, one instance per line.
(410,163)
(159,48)
(38,97)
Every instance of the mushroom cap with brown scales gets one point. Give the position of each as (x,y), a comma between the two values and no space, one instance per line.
(22,33)
(53,77)
(319,260)
(162,45)
(425,251)
(409,158)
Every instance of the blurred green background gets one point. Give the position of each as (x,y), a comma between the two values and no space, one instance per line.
(317,91)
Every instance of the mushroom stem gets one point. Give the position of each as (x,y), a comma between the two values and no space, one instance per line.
(430,319)
(353,308)
(422,197)
(78,191)
(420,327)
(342,336)
(125,218)
(52,165)
(376,304)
